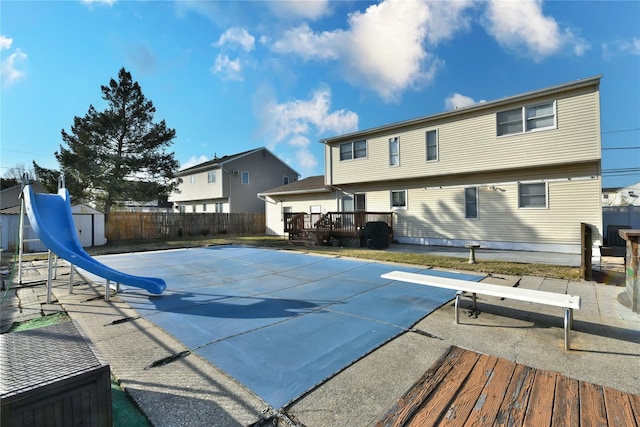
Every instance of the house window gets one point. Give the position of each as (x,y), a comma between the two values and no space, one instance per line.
(182,209)
(286,180)
(532,195)
(353,150)
(193,208)
(211,177)
(245,177)
(471,202)
(192,179)
(204,207)
(432,145)
(540,116)
(398,199)
(526,119)
(219,207)
(394,151)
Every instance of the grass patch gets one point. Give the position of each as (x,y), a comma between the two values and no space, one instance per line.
(461,264)
(125,411)
(39,322)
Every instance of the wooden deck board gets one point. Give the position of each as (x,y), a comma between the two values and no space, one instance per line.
(486,408)
(566,407)
(434,408)
(465,388)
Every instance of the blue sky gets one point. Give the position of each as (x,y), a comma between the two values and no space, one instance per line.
(235,75)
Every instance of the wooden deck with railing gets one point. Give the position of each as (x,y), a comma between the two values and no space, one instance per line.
(323,228)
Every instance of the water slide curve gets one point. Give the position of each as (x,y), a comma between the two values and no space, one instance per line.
(51,219)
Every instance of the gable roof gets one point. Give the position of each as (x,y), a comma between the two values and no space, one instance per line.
(219,162)
(580,83)
(312,184)
(10,197)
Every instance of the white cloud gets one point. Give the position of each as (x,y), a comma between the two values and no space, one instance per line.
(100,2)
(305,9)
(237,36)
(227,68)
(193,160)
(11,68)
(522,27)
(383,48)
(459,101)
(5,42)
(294,123)
(628,46)
(232,39)
(303,42)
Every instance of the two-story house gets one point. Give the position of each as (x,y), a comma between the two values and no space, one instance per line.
(520,173)
(230,184)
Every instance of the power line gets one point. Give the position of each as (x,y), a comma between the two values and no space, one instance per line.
(620,130)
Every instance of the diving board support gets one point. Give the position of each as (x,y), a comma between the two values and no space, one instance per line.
(567,302)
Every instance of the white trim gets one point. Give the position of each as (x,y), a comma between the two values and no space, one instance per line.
(494,185)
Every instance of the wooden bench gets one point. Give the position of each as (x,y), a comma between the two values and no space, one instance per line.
(568,302)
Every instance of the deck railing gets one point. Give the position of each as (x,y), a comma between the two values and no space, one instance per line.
(336,225)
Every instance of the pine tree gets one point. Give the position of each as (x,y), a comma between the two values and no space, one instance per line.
(119,154)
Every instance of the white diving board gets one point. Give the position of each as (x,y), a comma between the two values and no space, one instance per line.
(568,302)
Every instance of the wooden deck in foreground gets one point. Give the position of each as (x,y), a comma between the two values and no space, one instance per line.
(472,389)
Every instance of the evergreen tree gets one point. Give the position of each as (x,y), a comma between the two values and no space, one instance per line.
(49,179)
(119,154)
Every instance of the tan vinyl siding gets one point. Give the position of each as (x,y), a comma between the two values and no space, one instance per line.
(199,190)
(438,213)
(469,144)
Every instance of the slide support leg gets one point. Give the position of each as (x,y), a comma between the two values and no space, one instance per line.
(107,291)
(71,271)
(49,277)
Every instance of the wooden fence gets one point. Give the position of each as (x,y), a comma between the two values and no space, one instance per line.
(163,225)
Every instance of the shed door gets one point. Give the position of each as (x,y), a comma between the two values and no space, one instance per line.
(84,228)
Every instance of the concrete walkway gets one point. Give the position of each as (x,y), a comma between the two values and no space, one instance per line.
(188,391)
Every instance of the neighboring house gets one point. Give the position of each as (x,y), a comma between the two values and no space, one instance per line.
(626,196)
(231,184)
(10,197)
(519,173)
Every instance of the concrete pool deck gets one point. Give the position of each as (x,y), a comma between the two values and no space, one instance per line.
(191,391)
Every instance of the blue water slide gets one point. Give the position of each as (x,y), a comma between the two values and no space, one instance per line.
(52,221)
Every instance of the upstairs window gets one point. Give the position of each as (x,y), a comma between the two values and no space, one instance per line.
(192,179)
(394,151)
(211,177)
(245,177)
(471,203)
(526,119)
(541,116)
(432,145)
(353,150)
(399,199)
(532,195)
